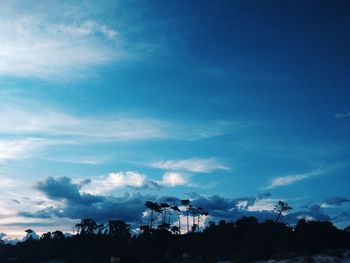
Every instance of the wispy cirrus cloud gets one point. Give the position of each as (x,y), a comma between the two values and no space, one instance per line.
(21,148)
(195,165)
(342,115)
(33,119)
(36,44)
(293,178)
(28,127)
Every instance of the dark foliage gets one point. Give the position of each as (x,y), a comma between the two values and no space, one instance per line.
(243,241)
(160,241)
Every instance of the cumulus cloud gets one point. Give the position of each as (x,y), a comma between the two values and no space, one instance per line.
(75,204)
(62,188)
(228,208)
(130,206)
(31,235)
(262,209)
(267,204)
(2,235)
(174,179)
(112,181)
(195,165)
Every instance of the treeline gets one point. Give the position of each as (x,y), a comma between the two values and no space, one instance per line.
(245,240)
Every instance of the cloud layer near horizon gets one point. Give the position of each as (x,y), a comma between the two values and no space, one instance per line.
(75,204)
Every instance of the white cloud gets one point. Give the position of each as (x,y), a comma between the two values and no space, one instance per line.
(291,179)
(83,29)
(112,181)
(173,179)
(35,44)
(263,205)
(90,160)
(55,123)
(20,148)
(27,118)
(196,165)
(342,115)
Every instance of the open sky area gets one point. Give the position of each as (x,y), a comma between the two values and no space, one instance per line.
(231,104)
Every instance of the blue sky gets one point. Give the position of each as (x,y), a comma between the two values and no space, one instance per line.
(107,104)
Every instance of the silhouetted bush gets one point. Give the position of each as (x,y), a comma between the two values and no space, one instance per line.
(243,241)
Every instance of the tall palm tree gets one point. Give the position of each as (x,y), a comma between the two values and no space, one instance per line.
(186,204)
(194,212)
(164,207)
(177,211)
(200,213)
(149,205)
(280,208)
(153,207)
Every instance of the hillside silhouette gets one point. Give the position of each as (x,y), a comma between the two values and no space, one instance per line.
(160,239)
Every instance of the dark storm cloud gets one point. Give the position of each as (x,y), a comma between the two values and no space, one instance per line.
(77,205)
(315,208)
(216,202)
(62,188)
(130,206)
(341,217)
(336,200)
(231,209)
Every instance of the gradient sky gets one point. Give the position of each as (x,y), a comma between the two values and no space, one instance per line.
(232,104)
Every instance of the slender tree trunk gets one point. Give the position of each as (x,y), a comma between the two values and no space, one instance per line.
(193,220)
(150,220)
(188,224)
(198,223)
(278,216)
(178,215)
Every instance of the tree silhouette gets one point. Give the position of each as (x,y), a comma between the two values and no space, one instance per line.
(154,208)
(86,226)
(175,230)
(120,229)
(186,204)
(193,211)
(280,208)
(57,235)
(177,211)
(164,208)
(46,236)
(200,213)
(245,240)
